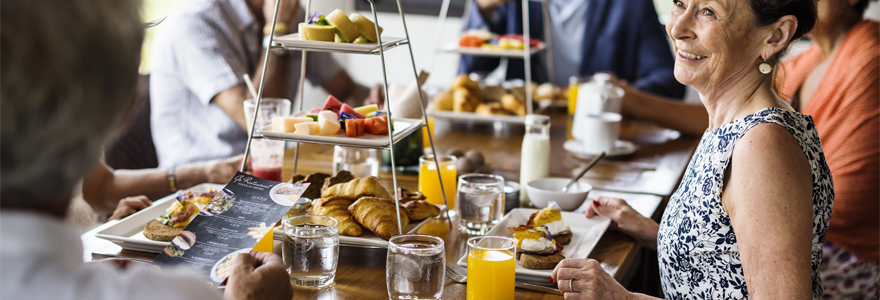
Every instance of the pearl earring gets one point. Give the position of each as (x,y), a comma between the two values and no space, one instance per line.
(765,68)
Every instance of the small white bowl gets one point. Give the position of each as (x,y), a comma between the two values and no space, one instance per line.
(541,191)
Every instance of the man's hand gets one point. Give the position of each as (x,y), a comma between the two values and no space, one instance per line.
(287,11)
(130,205)
(258,276)
(222,170)
(490,4)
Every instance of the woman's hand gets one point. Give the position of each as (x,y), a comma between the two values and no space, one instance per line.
(585,279)
(258,276)
(130,205)
(625,219)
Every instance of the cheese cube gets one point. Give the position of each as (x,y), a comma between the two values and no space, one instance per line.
(303,128)
(328,123)
(313,127)
(286,124)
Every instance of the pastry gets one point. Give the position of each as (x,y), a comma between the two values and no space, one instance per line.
(463,81)
(296,178)
(336,207)
(346,31)
(443,101)
(379,216)
(355,189)
(535,247)
(492,108)
(545,91)
(316,182)
(463,100)
(315,32)
(420,209)
(365,27)
(550,218)
(511,103)
(407,195)
(341,177)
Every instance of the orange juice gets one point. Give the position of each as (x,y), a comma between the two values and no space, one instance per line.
(429,184)
(491,275)
(426,142)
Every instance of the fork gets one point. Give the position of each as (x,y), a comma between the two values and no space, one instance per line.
(455,275)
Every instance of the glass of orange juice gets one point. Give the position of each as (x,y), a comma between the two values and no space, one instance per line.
(429,183)
(491,267)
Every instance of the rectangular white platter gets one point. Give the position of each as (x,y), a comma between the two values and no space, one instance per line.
(475,117)
(128,233)
(586,232)
(516,53)
(402,128)
(292,41)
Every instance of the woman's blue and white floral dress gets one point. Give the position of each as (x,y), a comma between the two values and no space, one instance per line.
(696,245)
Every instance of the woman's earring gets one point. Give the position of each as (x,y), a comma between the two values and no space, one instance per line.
(765,68)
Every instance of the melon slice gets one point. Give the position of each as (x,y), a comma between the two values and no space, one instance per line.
(347,109)
(332,104)
(314,111)
(366,109)
(303,128)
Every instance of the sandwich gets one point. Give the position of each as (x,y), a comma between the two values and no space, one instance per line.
(178,215)
(180,243)
(550,219)
(317,29)
(535,247)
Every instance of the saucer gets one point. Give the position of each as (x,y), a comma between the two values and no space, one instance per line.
(620,148)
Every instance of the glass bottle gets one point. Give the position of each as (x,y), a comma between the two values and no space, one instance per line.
(535,160)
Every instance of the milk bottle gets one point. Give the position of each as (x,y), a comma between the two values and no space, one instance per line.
(535,160)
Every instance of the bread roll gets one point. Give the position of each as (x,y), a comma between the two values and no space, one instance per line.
(464,101)
(346,31)
(365,27)
(443,101)
(463,81)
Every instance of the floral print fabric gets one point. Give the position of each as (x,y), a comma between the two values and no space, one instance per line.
(845,276)
(696,244)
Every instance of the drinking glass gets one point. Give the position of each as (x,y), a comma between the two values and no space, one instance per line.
(415,267)
(311,250)
(491,267)
(360,162)
(480,202)
(429,183)
(267,155)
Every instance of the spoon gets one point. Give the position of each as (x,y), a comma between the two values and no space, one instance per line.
(590,166)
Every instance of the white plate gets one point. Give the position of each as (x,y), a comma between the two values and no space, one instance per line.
(214,276)
(585,233)
(367,238)
(293,41)
(402,128)
(455,48)
(475,117)
(128,233)
(621,147)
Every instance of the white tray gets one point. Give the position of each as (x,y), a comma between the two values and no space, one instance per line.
(402,128)
(292,41)
(585,234)
(128,233)
(475,117)
(517,53)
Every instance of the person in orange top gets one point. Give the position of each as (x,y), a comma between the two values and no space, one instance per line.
(837,82)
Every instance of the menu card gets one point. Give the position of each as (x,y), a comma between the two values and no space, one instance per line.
(230,224)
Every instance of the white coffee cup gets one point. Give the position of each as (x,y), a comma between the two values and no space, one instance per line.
(597,133)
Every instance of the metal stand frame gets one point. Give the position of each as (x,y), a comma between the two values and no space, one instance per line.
(381,53)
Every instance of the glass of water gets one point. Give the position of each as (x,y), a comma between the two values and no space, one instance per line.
(360,162)
(311,250)
(415,267)
(480,202)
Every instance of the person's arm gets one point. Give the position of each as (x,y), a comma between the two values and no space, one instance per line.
(103,187)
(655,59)
(481,16)
(347,90)
(768,196)
(626,219)
(688,118)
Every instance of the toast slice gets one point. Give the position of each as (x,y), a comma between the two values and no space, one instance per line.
(157,231)
(563,237)
(540,262)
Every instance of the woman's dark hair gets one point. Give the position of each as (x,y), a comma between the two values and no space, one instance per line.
(861,6)
(769,11)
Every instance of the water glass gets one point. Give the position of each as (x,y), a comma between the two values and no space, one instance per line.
(360,162)
(267,156)
(480,202)
(311,250)
(415,267)
(491,267)
(429,183)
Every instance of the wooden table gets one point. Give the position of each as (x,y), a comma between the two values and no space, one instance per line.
(643,179)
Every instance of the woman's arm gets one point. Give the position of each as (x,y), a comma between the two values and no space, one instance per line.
(626,219)
(688,118)
(768,196)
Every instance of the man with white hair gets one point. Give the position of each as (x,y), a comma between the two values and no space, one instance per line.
(68,78)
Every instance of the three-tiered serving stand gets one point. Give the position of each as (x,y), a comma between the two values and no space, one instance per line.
(330,47)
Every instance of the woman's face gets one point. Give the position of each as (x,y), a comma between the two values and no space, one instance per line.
(714,41)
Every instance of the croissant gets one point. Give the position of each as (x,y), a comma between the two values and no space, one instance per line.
(336,207)
(420,209)
(379,216)
(355,189)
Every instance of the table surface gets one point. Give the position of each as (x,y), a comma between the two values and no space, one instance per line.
(643,179)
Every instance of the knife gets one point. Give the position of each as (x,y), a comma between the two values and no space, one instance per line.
(538,288)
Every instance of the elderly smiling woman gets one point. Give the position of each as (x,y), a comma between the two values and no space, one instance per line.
(750,215)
